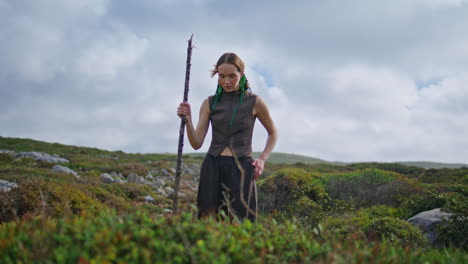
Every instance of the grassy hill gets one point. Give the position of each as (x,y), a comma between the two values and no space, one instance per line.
(282,158)
(20,144)
(433,165)
(320,212)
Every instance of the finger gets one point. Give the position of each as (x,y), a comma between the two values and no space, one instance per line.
(257,175)
(257,171)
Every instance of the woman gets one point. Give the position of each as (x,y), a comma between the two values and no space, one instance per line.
(228,173)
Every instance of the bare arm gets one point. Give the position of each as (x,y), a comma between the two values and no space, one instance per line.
(263,114)
(197,136)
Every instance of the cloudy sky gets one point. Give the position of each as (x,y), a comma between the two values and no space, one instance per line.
(359,80)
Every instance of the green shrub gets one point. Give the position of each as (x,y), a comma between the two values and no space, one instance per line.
(280,189)
(377,211)
(112,200)
(410,171)
(64,200)
(369,187)
(26,198)
(314,191)
(306,210)
(395,230)
(445,175)
(43,196)
(138,238)
(453,231)
(417,203)
(131,191)
(5,158)
(349,226)
(127,168)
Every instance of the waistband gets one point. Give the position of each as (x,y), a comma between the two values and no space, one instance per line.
(228,157)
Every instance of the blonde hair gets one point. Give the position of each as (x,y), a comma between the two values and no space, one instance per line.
(230,58)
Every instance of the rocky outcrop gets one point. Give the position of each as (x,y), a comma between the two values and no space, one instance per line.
(6,151)
(428,221)
(158,183)
(169,191)
(149,199)
(134,178)
(62,169)
(40,156)
(106,178)
(6,186)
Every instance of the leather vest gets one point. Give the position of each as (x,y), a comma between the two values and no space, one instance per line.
(238,136)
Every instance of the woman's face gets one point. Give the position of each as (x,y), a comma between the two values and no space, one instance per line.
(229,77)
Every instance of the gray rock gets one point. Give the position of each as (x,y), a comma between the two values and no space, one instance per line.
(159,182)
(428,221)
(182,195)
(161,191)
(105,156)
(113,174)
(169,191)
(6,186)
(40,156)
(149,199)
(133,178)
(106,178)
(167,211)
(172,170)
(164,172)
(189,171)
(6,151)
(62,169)
(118,180)
(149,176)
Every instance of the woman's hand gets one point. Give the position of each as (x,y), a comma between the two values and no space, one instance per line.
(184,110)
(258,164)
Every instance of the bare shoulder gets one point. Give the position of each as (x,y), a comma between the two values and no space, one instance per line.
(260,102)
(205,105)
(261,108)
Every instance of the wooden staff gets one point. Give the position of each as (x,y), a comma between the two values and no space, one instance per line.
(182,129)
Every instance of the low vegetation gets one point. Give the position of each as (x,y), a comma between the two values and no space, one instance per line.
(320,213)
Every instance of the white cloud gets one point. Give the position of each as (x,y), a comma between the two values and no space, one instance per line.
(110,54)
(361,80)
(441,3)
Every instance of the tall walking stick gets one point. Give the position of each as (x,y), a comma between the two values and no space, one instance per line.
(182,129)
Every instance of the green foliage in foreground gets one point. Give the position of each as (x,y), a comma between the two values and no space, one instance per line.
(138,238)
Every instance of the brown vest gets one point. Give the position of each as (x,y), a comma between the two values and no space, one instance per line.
(237,137)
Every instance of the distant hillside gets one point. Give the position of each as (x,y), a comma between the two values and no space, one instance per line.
(20,144)
(282,158)
(433,165)
(288,158)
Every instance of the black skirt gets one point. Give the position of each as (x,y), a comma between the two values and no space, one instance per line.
(221,187)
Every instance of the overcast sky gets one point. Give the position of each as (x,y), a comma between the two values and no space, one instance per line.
(359,80)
